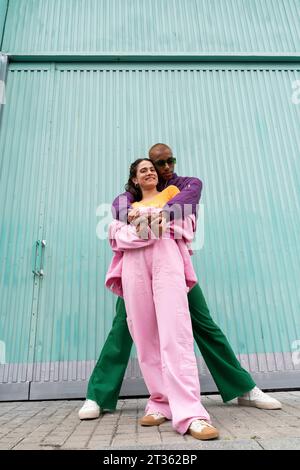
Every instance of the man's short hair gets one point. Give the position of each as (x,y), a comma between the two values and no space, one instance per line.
(158,146)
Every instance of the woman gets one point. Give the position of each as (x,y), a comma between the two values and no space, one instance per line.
(152,270)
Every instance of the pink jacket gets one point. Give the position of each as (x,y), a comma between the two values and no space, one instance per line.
(123,237)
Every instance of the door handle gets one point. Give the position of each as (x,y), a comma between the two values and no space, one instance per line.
(39,252)
(43,244)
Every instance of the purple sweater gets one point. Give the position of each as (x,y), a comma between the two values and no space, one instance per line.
(183,204)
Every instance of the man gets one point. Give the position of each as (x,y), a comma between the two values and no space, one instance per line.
(231,379)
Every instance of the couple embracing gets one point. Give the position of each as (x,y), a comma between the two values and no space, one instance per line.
(161,306)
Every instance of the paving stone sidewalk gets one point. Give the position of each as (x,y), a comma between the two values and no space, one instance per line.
(55,425)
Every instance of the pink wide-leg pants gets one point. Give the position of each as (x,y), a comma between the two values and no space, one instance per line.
(159,321)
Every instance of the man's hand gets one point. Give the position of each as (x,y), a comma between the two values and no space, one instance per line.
(158,225)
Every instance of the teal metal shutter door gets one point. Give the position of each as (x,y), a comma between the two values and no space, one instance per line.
(23,161)
(234,127)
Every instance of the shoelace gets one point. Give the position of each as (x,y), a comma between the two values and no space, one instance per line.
(88,403)
(199,424)
(156,415)
(256,393)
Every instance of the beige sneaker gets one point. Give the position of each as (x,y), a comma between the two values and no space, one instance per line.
(259,399)
(153,419)
(201,429)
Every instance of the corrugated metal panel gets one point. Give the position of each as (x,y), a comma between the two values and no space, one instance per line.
(3,71)
(22,158)
(79,128)
(3,10)
(141,26)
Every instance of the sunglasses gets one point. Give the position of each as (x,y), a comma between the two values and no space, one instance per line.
(169,161)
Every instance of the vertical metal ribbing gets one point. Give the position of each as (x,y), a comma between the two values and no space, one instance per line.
(3,16)
(159,27)
(3,74)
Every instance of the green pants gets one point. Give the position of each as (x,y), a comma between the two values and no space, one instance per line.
(107,377)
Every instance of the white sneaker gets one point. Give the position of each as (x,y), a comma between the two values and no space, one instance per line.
(201,429)
(89,410)
(259,399)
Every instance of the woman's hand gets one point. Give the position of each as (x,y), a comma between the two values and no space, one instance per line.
(141,224)
(155,220)
(133,214)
